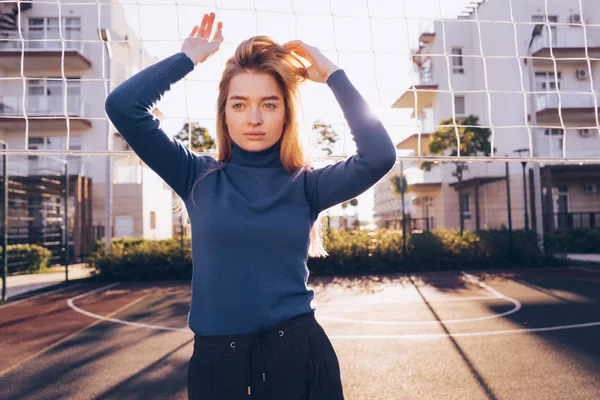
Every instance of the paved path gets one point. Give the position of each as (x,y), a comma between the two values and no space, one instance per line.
(20,284)
(584,257)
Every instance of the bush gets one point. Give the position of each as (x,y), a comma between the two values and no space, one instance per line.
(133,259)
(351,252)
(27,257)
(573,241)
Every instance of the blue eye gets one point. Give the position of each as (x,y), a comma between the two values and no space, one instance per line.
(274,106)
(236,104)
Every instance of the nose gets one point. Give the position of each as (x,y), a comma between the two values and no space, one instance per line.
(254,117)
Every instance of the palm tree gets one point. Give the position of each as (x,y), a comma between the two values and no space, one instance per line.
(399,186)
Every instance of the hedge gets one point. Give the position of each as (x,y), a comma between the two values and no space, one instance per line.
(26,257)
(350,253)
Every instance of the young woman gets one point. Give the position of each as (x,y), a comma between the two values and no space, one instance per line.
(254,211)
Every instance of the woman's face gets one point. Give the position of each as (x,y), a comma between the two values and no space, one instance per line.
(255,111)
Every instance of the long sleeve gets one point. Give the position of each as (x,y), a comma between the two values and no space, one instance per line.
(375,152)
(128,107)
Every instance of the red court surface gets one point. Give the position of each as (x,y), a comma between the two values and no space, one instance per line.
(526,334)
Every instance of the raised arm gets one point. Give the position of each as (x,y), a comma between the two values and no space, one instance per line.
(128,107)
(375,151)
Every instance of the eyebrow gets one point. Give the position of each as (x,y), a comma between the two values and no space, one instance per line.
(237,97)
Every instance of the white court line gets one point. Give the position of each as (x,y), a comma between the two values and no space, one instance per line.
(360,303)
(467,334)
(38,296)
(596,270)
(115,320)
(472,279)
(421,336)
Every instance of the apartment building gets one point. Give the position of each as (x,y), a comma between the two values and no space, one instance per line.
(485,65)
(48,96)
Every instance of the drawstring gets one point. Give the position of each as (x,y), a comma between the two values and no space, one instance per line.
(263,341)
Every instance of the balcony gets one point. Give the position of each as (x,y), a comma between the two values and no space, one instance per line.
(574,107)
(44,112)
(567,42)
(127,174)
(416,178)
(422,95)
(41,54)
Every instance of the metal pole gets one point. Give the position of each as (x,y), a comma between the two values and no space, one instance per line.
(508,204)
(4,221)
(66,222)
(403,213)
(526,206)
(537,181)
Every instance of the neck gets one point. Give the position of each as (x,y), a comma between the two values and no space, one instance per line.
(264,158)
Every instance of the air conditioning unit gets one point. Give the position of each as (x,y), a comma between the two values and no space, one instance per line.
(585,133)
(590,188)
(575,19)
(581,74)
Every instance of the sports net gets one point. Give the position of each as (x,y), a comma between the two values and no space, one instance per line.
(525,69)
(488,82)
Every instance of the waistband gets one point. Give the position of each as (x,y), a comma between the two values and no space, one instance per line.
(287,330)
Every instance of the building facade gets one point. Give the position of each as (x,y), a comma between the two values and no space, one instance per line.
(45,97)
(484,63)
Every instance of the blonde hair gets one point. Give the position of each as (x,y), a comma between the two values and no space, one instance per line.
(261,54)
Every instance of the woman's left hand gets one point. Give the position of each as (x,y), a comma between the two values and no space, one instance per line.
(321,67)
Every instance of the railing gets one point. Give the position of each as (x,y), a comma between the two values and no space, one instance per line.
(426,77)
(412,224)
(415,175)
(550,100)
(128,174)
(572,220)
(564,37)
(42,105)
(35,41)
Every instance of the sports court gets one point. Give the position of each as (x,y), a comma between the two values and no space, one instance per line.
(519,334)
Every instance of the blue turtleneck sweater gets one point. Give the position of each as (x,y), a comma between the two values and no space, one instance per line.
(250,220)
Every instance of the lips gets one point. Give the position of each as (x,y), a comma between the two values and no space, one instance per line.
(254,135)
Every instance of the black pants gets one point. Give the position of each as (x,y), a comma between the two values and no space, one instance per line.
(291,361)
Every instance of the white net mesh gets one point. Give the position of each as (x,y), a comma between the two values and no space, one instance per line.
(498,54)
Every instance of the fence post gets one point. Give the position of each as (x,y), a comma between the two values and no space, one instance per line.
(5,220)
(66,221)
(510,237)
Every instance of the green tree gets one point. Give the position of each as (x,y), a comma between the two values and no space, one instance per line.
(327,136)
(474,140)
(201,140)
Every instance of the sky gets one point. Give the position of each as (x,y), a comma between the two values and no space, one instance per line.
(370,40)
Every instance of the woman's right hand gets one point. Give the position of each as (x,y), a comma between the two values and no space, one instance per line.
(199,46)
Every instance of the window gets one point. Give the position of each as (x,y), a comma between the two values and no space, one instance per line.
(152,219)
(555,138)
(466,206)
(549,23)
(457,60)
(590,188)
(35,143)
(459,105)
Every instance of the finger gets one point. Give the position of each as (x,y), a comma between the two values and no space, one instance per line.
(194,30)
(203,25)
(209,27)
(219,32)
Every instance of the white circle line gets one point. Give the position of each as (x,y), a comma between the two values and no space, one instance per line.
(418,336)
(396,301)
(496,295)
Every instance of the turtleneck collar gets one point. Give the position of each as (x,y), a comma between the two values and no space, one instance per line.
(264,158)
